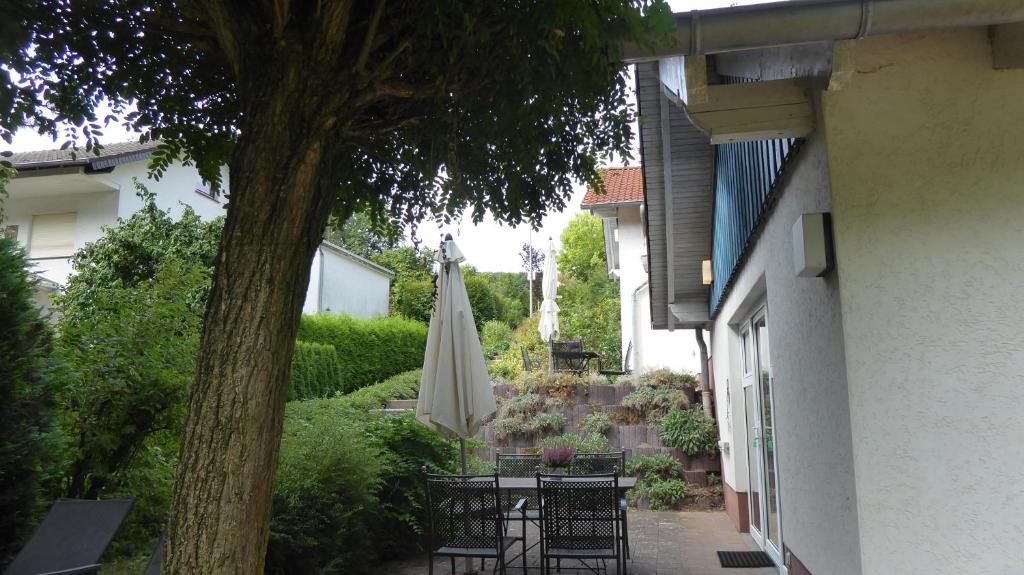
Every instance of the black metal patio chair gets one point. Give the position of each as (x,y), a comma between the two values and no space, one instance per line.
(568,356)
(527,363)
(580,519)
(605,463)
(72,538)
(519,465)
(464,520)
(156,559)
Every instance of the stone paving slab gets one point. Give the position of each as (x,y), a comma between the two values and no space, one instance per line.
(662,543)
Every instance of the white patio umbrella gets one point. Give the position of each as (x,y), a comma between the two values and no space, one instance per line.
(455,390)
(548,308)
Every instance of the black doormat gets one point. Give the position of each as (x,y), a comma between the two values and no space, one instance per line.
(745,559)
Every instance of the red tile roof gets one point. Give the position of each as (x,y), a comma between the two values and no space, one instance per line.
(622,186)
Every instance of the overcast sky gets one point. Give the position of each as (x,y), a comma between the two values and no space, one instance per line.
(487,246)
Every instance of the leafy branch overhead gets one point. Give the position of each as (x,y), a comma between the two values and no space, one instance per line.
(423,107)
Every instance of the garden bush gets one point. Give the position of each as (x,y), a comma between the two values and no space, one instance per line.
(660,465)
(667,378)
(316,371)
(369,350)
(597,422)
(509,366)
(547,423)
(691,431)
(507,427)
(659,493)
(349,489)
(414,299)
(522,406)
(654,402)
(497,338)
(589,443)
(325,498)
(131,358)
(29,446)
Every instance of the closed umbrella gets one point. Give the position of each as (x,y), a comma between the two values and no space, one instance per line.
(549,309)
(455,390)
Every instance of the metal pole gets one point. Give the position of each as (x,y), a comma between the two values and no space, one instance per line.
(529,269)
(462,452)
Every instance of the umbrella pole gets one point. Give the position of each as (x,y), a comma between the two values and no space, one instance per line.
(462,452)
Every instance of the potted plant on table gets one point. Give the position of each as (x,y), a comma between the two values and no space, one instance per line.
(557,459)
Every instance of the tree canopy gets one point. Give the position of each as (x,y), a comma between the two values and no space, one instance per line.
(432,106)
(583,255)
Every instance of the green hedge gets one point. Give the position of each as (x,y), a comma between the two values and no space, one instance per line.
(369,350)
(316,371)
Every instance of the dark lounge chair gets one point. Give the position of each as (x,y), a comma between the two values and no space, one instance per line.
(72,538)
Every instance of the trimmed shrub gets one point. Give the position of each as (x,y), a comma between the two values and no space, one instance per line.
(405,385)
(691,431)
(369,350)
(497,338)
(316,371)
(28,443)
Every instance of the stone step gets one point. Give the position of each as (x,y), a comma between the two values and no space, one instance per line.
(402,404)
(388,412)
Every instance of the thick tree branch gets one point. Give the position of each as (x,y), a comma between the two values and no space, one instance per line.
(224,22)
(371,34)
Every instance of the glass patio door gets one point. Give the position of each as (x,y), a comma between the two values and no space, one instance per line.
(765,523)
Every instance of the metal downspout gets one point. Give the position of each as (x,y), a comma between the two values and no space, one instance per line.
(636,328)
(804,21)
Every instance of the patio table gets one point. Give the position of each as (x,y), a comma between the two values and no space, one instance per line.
(514,483)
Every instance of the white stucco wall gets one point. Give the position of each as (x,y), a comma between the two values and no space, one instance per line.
(927,177)
(339,283)
(93,210)
(812,421)
(676,350)
(178,185)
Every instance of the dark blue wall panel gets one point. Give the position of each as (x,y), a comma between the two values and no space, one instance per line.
(746,177)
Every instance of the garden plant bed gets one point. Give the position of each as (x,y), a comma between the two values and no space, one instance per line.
(542,409)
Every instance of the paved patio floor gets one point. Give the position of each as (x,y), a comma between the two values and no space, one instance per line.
(662,543)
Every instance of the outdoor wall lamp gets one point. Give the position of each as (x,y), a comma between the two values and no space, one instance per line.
(812,245)
(706,273)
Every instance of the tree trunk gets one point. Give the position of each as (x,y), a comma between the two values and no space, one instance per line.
(705,382)
(279,205)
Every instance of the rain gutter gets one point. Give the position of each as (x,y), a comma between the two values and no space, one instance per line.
(804,21)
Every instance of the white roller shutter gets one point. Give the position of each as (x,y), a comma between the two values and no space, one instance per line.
(52,236)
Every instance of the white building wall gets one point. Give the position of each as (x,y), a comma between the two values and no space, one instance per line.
(812,420)
(676,350)
(93,210)
(177,186)
(927,177)
(340,283)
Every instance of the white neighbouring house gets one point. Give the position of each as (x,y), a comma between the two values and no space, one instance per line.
(621,209)
(58,203)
